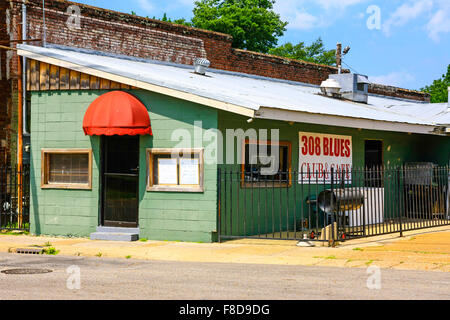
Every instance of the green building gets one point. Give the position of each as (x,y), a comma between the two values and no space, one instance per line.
(124,148)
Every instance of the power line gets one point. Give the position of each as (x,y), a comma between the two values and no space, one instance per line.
(356,71)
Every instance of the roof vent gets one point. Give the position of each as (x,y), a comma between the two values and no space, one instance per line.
(330,88)
(200,65)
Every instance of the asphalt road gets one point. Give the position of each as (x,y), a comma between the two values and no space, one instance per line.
(105,278)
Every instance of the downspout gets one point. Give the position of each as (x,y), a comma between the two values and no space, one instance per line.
(44,39)
(24,70)
(19,132)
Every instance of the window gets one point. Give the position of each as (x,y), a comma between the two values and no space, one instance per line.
(66,168)
(175,170)
(266,167)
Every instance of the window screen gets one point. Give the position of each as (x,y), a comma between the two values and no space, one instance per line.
(68,168)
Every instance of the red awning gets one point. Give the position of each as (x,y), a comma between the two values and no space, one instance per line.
(116,112)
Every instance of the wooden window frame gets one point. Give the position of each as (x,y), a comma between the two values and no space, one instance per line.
(45,164)
(263,184)
(151,152)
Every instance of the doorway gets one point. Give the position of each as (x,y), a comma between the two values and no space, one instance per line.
(119,181)
(373,162)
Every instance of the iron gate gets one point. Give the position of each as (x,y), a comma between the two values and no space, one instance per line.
(331,205)
(15,198)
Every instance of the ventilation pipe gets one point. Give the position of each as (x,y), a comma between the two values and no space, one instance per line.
(200,65)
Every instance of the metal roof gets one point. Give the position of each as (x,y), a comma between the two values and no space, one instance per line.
(247,91)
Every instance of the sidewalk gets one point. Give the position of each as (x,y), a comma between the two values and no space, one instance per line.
(427,249)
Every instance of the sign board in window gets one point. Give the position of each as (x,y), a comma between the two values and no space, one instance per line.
(189,172)
(177,169)
(319,153)
(167,171)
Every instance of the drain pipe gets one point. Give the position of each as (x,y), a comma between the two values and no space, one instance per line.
(44,38)
(24,70)
(19,133)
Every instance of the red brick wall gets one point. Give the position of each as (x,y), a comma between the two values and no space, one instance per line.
(398,92)
(122,33)
(5,85)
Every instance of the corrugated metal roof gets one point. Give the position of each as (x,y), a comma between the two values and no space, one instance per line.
(248,91)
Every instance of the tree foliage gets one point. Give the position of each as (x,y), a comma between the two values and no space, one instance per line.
(439,88)
(313,53)
(252,23)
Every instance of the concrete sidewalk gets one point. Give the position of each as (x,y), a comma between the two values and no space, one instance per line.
(427,249)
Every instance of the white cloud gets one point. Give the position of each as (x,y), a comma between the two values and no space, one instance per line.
(440,21)
(340,4)
(397,79)
(405,13)
(435,12)
(304,21)
(326,12)
(145,5)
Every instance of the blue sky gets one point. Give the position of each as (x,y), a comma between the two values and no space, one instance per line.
(402,43)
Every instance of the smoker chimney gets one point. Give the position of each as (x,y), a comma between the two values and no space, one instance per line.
(339,57)
(200,65)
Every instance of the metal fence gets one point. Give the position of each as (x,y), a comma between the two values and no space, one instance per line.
(14,198)
(331,205)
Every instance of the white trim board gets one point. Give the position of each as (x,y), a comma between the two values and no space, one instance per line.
(359,123)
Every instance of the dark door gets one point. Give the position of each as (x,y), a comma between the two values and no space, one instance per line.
(120,181)
(373,158)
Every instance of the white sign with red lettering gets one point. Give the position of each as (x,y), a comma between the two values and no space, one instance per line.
(319,153)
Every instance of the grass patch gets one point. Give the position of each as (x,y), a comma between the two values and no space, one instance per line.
(143,239)
(99,254)
(47,244)
(14,233)
(368,263)
(328,257)
(128,257)
(50,251)
(357,249)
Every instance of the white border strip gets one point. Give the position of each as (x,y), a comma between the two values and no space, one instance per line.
(359,123)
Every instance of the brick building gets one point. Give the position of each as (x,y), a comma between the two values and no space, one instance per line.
(78,25)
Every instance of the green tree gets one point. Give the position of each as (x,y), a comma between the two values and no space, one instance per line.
(252,23)
(439,88)
(313,53)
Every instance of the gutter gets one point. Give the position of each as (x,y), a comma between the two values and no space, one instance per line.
(342,121)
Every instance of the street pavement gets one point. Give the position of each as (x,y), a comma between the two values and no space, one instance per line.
(119,278)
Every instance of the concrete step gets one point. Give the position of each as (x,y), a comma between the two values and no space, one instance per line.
(117,229)
(115,236)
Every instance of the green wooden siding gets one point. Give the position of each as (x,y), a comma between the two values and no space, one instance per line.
(275,209)
(57,123)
